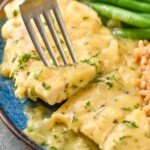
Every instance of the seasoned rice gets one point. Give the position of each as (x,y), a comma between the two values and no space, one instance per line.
(142,56)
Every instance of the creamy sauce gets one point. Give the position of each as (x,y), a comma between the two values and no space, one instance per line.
(93,44)
(105,114)
(59,136)
(108,111)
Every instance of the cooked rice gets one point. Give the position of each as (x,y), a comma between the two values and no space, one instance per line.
(142,55)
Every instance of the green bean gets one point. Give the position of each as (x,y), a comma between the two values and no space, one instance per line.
(129,4)
(121,14)
(145,15)
(147,1)
(133,33)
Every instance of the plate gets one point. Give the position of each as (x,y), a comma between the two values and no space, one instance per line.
(12,108)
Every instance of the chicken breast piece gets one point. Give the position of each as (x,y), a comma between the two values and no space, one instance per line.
(97,110)
(93,44)
(133,132)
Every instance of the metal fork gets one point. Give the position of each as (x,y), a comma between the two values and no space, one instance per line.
(32,9)
(3,3)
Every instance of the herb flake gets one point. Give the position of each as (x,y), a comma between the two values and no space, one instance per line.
(46,87)
(37,74)
(85,17)
(56,137)
(44,144)
(88,104)
(123,138)
(127,109)
(136,106)
(15,13)
(130,124)
(74,86)
(30,129)
(53,148)
(109,84)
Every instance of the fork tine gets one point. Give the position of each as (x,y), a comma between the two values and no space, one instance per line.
(64,32)
(36,43)
(52,29)
(3,3)
(43,34)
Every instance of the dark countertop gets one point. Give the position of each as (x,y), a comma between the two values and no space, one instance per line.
(8,141)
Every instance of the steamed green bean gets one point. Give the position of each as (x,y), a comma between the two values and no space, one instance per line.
(121,14)
(138,6)
(132,33)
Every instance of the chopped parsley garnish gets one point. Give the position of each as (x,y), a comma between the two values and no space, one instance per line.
(66,88)
(56,137)
(35,56)
(109,84)
(15,13)
(74,86)
(85,17)
(132,68)
(136,106)
(126,109)
(30,129)
(46,87)
(123,138)
(88,61)
(62,41)
(45,23)
(28,73)
(25,58)
(37,74)
(32,92)
(15,87)
(88,104)
(16,41)
(108,81)
(65,132)
(53,148)
(14,79)
(75,119)
(21,64)
(44,144)
(95,55)
(99,80)
(130,124)
(110,77)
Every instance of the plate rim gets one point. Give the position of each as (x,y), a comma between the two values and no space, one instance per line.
(16,132)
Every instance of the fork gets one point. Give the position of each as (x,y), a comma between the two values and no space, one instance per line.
(2,4)
(33,9)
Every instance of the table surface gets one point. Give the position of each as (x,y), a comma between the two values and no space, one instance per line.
(8,141)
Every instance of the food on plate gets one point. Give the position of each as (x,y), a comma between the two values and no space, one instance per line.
(142,55)
(91,41)
(121,14)
(134,16)
(132,33)
(131,5)
(58,136)
(103,108)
